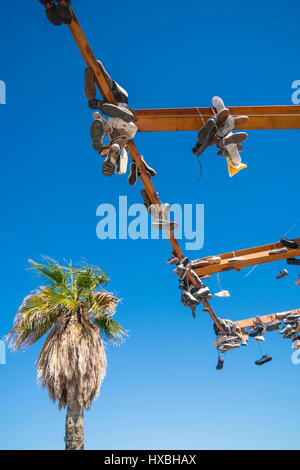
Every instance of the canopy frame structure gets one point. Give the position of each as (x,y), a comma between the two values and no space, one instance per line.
(191,119)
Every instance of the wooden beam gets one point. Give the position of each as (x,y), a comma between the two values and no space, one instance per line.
(192,119)
(251,257)
(102,84)
(265,319)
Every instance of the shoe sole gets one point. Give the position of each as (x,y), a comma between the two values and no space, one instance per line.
(133,175)
(108,168)
(264,362)
(238,138)
(96,135)
(114,111)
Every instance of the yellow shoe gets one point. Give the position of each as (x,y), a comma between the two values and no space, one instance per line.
(232,169)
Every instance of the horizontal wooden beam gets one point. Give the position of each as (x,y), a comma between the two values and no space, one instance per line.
(192,119)
(265,319)
(251,257)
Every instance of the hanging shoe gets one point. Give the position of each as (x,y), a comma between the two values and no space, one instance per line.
(222,293)
(201,293)
(121,166)
(233,138)
(206,276)
(205,136)
(230,345)
(133,175)
(114,111)
(227,126)
(298,281)
(51,12)
(259,338)
(95,104)
(150,171)
(183,284)
(188,299)
(123,128)
(180,271)
(64,10)
(263,360)
(196,278)
(290,243)
(274,325)
(173,261)
(97,135)
(293,318)
(222,116)
(220,363)
(108,168)
(278,251)
(293,261)
(282,274)
(164,223)
(257,331)
(120,95)
(218,103)
(296,343)
(286,330)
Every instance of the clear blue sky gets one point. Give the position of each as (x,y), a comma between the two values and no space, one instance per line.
(162,389)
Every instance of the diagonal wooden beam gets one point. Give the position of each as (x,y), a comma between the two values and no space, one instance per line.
(191,119)
(251,257)
(265,319)
(102,84)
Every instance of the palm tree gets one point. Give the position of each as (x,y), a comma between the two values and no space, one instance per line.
(76,310)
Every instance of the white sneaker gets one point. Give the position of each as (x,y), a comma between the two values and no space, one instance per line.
(214,260)
(128,129)
(259,338)
(107,128)
(222,293)
(121,168)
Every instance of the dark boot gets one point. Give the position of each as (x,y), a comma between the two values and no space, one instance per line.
(64,10)
(133,175)
(220,363)
(120,95)
(289,243)
(263,360)
(293,261)
(52,12)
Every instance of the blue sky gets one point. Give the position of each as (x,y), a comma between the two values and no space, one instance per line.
(162,389)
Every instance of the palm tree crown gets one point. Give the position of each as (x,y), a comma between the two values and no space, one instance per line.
(77,311)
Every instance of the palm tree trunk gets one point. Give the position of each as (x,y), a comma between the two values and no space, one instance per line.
(74,427)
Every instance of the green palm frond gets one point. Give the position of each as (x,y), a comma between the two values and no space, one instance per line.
(110,328)
(51,270)
(89,278)
(68,291)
